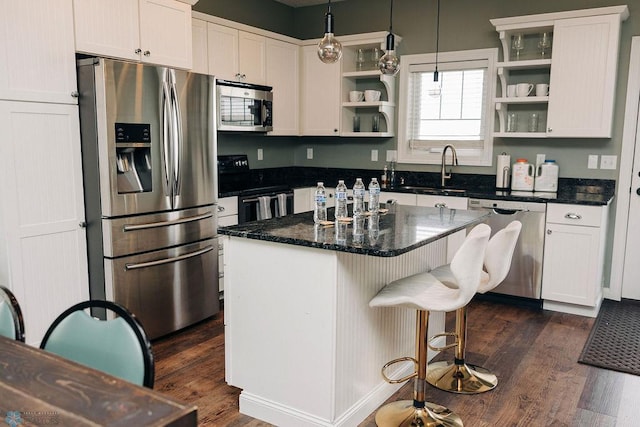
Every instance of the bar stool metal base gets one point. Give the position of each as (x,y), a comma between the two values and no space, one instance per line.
(403,413)
(463,379)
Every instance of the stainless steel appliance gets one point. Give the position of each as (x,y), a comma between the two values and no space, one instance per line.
(235,177)
(525,276)
(244,107)
(148,148)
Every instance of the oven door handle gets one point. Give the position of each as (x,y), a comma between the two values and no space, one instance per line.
(136,227)
(255,199)
(168,260)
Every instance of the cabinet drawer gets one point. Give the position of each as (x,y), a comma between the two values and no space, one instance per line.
(227,206)
(574,214)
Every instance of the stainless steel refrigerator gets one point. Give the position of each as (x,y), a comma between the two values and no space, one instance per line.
(149,151)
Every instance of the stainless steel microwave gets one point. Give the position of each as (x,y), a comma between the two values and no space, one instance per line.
(244,107)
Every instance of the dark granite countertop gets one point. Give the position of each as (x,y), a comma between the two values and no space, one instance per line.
(400,230)
(570,190)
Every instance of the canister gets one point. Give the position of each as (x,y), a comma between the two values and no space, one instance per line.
(522,175)
(547,177)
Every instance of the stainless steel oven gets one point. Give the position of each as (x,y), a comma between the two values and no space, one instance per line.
(256,202)
(244,107)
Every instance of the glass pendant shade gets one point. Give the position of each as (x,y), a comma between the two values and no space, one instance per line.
(329,48)
(389,63)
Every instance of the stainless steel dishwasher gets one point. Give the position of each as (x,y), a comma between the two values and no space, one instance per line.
(525,276)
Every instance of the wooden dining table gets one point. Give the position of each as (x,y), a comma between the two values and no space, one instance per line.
(41,388)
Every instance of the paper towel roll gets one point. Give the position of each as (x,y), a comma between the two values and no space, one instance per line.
(503,170)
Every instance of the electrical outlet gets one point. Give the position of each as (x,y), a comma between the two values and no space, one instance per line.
(374,155)
(608,162)
(392,155)
(540,158)
(593,161)
(260,154)
(309,153)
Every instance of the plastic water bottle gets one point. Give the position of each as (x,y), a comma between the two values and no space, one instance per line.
(320,205)
(374,195)
(341,200)
(358,197)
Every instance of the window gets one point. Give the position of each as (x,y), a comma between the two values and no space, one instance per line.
(457,110)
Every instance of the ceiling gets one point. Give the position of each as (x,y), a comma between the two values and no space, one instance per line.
(302,3)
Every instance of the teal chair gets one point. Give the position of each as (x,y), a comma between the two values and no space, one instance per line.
(11,322)
(118,346)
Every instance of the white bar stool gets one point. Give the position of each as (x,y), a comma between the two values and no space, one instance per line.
(459,376)
(425,293)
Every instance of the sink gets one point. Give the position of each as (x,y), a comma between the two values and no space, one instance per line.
(433,190)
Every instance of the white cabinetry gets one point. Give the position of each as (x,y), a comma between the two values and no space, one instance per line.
(304,198)
(37,51)
(43,256)
(236,55)
(320,95)
(368,78)
(574,258)
(400,198)
(227,215)
(151,31)
(200,46)
(282,61)
(581,72)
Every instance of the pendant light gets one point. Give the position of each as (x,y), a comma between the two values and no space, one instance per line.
(329,48)
(436,89)
(389,63)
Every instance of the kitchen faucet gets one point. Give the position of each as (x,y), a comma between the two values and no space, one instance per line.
(454,162)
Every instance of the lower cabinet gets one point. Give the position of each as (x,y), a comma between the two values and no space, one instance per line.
(227,215)
(574,258)
(303,198)
(43,250)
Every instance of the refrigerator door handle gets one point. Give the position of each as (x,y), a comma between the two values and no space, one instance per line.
(167,146)
(136,227)
(176,136)
(169,260)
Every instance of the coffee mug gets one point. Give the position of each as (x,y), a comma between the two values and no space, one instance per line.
(523,89)
(542,89)
(511,91)
(356,96)
(372,95)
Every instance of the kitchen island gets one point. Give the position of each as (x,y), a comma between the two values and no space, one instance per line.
(300,339)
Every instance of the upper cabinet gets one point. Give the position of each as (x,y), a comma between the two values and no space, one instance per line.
(360,73)
(37,51)
(326,108)
(236,55)
(152,31)
(575,53)
(320,95)
(281,70)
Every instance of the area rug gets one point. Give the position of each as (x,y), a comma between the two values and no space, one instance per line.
(614,341)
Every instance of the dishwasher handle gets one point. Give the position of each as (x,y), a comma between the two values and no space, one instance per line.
(500,211)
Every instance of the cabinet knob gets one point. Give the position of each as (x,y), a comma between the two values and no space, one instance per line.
(638,191)
(83,224)
(440,205)
(549,130)
(548,231)
(138,51)
(75,94)
(147,53)
(221,209)
(335,130)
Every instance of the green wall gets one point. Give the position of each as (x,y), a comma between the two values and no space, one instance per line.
(464,25)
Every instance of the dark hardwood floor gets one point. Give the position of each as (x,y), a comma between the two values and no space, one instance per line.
(534,353)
